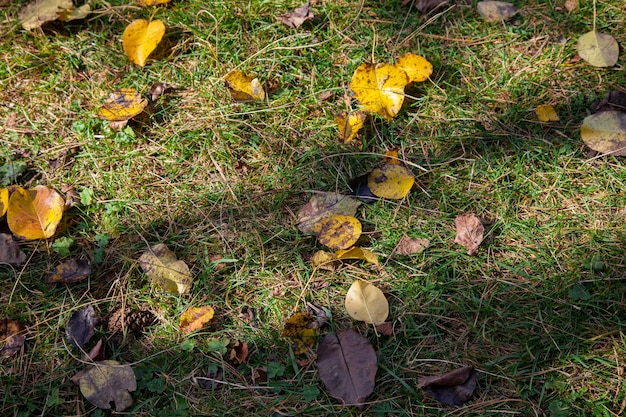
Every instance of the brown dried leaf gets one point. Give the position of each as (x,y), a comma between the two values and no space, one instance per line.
(386,328)
(239,352)
(469,232)
(12,337)
(80,328)
(496,11)
(347,365)
(452,388)
(10,252)
(295,18)
(425,6)
(70,271)
(410,246)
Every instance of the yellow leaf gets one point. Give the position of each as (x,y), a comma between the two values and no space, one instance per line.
(161,265)
(598,49)
(390,181)
(546,113)
(140,38)
(338,232)
(122,104)
(379,88)
(365,302)
(324,205)
(349,124)
(244,87)
(302,329)
(152,2)
(195,318)
(4,201)
(35,213)
(417,68)
(605,132)
(357,253)
(391,158)
(321,258)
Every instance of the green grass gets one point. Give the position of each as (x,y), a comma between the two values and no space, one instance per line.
(539,311)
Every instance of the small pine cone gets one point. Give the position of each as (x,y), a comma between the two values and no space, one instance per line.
(130,321)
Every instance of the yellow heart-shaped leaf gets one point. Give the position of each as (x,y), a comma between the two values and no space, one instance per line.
(338,232)
(122,104)
(244,87)
(140,38)
(391,181)
(366,302)
(379,88)
(35,213)
(417,68)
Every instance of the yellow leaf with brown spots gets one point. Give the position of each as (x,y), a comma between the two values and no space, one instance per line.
(349,124)
(195,318)
(303,329)
(122,104)
(390,181)
(379,88)
(35,213)
(338,232)
(417,68)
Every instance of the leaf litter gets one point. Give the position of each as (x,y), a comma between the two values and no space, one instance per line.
(452,388)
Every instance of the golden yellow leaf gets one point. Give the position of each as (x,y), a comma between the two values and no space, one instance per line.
(366,302)
(122,104)
(598,49)
(349,124)
(338,232)
(140,38)
(357,253)
(161,265)
(4,201)
(417,68)
(195,318)
(152,2)
(322,258)
(605,132)
(379,88)
(35,213)
(390,181)
(546,113)
(302,329)
(243,87)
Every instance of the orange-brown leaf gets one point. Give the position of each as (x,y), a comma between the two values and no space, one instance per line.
(195,318)
(35,213)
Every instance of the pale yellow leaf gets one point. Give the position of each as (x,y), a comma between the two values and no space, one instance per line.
(75,13)
(605,132)
(38,12)
(379,88)
(366,302)
(140,38)
(546,113)
(243,87)
(598,49)
(161,265)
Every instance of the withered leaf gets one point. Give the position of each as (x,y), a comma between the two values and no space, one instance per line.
(10,252)
(409,246)
(347,365)
(324,205)
(80,328)
(452,388)
(386,328)
(302,328)
(469,232)
(70,271)
(195,318)
(239,352)
(425,6)
(12,337)
(161,265)
(108,381)
(613,100)
(295,18)
(495,11)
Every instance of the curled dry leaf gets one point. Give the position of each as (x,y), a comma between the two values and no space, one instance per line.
(35,213)
(38,12)
(324,205)
(357,253)
(10,252)
(106,382)
(71,271)
(161,265)
(141,38)
(613,100)
(469,232)
(12,337)
(496,11)
(338,232)
(347,365)
(349,124)
(295,18)
(605,132)
(81,326)
(546,113)
(239,352)
(366,302)
(123,104)
(452,388)
(410,246)
(243,87)
(195,318)
(302,329)
(598,49)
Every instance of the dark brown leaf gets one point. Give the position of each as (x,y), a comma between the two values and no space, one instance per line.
(452,388)
(298,16)
(10,252)
(70,271)
(386,328)
(469,232)
(347,365)
(96,353)
(614,100)
(80,328)
(12,337)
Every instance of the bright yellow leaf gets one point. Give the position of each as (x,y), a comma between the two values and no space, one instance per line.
(338,232)
(195,318)
(140,38)
(161,265)
(35,213)
(122,104)
(546,113)
(379,88)
(357,253)
(152,2)
(390,181)
(4,201)
(302,329)
(243,87)
(417,68)
(349,124)
(366,302)
(605,132)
